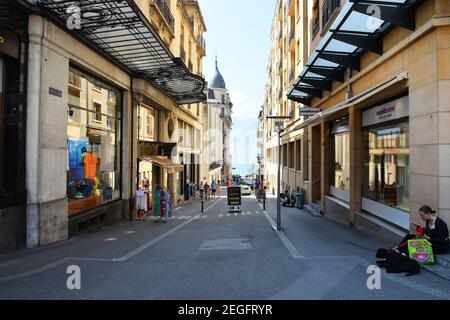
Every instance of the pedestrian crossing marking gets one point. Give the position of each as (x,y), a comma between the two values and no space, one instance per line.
(220,215)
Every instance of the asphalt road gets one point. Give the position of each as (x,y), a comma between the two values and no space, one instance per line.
(212,256)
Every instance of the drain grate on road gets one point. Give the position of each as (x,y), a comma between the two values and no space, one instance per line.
(226,244)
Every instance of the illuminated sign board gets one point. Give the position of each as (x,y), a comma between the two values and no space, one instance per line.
(9,43)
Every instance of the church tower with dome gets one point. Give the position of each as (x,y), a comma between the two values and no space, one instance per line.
(218,123)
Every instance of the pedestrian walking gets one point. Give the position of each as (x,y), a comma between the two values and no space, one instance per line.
(213,189)
(206,191)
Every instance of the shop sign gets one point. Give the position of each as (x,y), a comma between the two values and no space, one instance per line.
(234,199)
(389,111)
(9,44)
(309,111)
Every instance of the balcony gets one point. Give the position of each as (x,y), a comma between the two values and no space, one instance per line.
(328,9)
(165,12)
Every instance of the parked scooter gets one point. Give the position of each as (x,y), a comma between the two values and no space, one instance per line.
(287,198)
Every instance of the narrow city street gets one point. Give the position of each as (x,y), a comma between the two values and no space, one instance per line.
(214,255)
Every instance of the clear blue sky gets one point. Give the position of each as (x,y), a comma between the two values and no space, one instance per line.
(239,31)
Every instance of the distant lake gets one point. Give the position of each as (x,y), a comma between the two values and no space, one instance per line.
(244,169)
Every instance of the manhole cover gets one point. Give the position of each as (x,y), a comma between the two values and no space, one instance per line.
(226,244)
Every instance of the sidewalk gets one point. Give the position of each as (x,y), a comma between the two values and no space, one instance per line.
(109,244)
(320,238)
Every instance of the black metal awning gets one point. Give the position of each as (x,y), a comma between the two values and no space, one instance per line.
(120,30)
(355,31)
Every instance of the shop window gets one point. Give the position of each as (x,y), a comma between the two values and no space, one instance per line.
(12,130)
(340,160)
(386,165)
(94,162)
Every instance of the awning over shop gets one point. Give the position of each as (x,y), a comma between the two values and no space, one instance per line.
(215,167)
(164,162)
(353,100)
(149,148)
(353,33)
(120,30)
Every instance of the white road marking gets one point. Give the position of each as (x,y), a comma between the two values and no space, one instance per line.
(8,263)
(220,215)
(121,259)
(110,239)
(130,232)
(287,243)
(158,239)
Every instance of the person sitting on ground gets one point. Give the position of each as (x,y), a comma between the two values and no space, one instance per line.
(436,232)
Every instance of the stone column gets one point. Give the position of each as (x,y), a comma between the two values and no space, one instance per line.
(47,208)
(35,27)
(429,98)
(325,167)
(355,122)
(128,165)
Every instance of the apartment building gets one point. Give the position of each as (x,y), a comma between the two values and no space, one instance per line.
(95,94)
(375,145)
(289,53)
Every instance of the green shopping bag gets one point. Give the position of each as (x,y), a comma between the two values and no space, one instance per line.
(421,251)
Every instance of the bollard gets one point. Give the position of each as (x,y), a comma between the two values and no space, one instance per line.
(202,205)
(264,203)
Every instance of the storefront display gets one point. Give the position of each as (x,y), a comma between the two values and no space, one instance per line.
(340,157)
(93,143)
(12,120)
(386,154)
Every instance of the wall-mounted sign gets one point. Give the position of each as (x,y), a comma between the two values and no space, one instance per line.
(389,111)
(9,43)
(309,111)
(55,92)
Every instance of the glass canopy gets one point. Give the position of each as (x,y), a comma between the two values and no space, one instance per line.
(358,28)
(120,30)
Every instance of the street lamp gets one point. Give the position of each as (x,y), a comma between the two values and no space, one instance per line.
(259,170)
(279,122)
